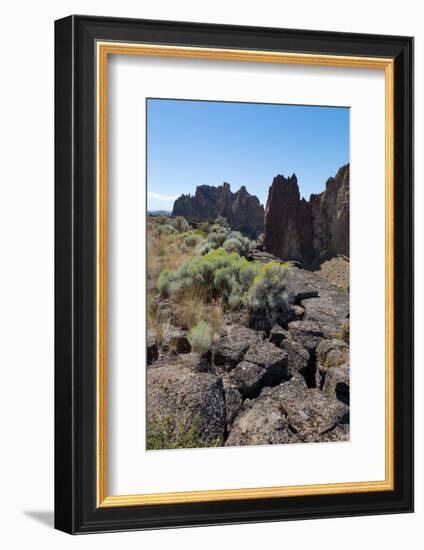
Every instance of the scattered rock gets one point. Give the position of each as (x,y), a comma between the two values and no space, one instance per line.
(272,359)
(307,333)
(341,432)
(310,413)
(184,397)
(298,358)
(229,350)
(336,271)
(152,347)
(259,255)
(329,354)
(289,413)
(260,423)
(305,293)
(248,378)
(278,334)
(203,364)
(298,312)
(233,403)
(176,340)
(332,353)
(337,383)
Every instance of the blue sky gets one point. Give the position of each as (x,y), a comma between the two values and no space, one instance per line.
(192,143)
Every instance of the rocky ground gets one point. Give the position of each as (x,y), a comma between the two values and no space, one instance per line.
(336,271)
(287,385)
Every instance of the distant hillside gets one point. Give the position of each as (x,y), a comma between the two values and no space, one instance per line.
(158,213)
(242,210)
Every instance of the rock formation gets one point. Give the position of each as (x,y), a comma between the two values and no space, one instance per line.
(242,210)
(308,231)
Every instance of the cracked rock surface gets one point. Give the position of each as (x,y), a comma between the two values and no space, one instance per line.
(289,384)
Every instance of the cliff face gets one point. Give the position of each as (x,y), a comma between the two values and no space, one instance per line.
(242,210)
(308,231)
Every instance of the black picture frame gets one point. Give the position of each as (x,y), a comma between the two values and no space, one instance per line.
(76,510)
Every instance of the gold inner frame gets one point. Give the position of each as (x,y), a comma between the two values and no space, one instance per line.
(104,49)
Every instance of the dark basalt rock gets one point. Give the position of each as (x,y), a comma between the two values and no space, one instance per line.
(289,413)
(242,210)
(298,358)
(233,403)
(278,334)
(259,423)
(229,350)
(332,353)
(308,231)
(272,359)
(264,365)
(332,372)
(182,397)
(176,339)
(314,416)
(248,378)
(337,383)
(307,333)
(152,350)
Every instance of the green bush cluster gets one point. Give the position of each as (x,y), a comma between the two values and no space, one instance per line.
(221,236)
(267,298)
(178,223)
(211,276)
(260,288)
(220,220)
(191,239)
(201,337)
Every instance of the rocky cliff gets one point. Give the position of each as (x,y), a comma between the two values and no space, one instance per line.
(308,231)
(242,210)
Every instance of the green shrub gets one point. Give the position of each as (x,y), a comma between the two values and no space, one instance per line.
(221,221)
(210,276)
(161,220)
(267,298)
(167,229)
(163,281)
(221,275)
(235,242)
(180,224)
(191,239)
(201,337)
(203,226)
(235,299)
(220,236)
(248,273)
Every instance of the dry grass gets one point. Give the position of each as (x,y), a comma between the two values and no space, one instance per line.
(216,315)
(164,251)
(157,319)
(190,309)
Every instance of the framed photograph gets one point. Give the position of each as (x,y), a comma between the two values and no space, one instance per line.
(234,268)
